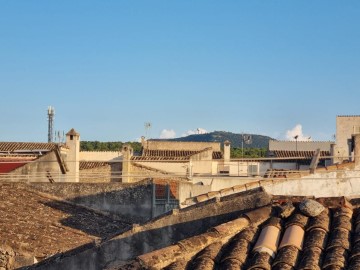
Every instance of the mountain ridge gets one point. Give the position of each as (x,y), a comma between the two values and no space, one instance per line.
(236,141)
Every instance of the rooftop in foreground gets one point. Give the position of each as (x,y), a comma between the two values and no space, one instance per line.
(290,233)
(37,225)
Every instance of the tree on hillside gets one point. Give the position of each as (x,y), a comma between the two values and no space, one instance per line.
(107,146)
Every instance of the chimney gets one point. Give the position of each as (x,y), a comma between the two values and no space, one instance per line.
(127,152)
(226,151)
(143,141)
(73,156)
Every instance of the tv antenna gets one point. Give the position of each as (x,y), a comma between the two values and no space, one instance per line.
(147,126)
(247,139)
(60,136)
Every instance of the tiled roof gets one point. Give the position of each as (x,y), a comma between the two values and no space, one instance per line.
(217,155)
(73,132)
(298,154)
(26,146)
(171,155)
(12,162)
(299,145)
(85,165)
(285,235)
(157,158)
(41,225)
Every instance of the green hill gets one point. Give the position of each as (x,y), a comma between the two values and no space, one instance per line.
(257,141)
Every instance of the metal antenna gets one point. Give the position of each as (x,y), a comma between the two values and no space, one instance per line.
(147,126)
(51,114)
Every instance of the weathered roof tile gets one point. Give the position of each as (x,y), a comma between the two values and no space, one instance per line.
(264,239)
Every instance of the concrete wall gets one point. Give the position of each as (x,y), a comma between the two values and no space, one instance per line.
(202,163)
(157,234)
(131,202)
(100,156)
(177,168)
(193,146)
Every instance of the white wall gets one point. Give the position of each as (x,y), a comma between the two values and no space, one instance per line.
(219,183)
(335,184)
(99,156)
(188,190)
(178,168)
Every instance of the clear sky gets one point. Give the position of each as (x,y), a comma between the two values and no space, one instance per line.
(108,67)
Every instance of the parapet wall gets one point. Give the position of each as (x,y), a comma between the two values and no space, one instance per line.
(333,184)
(99,155)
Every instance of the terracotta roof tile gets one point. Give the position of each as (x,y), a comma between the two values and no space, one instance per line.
(325,242)
(31,146)
(172,155)
(298,154)
(86,165)
(35,224)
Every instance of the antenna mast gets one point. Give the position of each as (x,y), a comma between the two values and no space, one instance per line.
(147,127)
(51,114)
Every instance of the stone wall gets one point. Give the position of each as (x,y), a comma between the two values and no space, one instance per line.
(171,228)
(99,174)
(130,202)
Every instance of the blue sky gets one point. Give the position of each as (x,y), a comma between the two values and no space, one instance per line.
(108,67)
